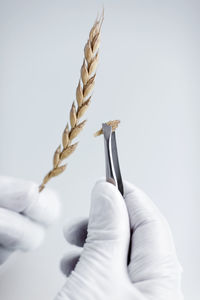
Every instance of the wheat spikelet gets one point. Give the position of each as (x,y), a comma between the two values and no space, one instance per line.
(114,124)
(83,98)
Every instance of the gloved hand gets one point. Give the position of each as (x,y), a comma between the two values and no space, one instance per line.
(24,215)
(100,269)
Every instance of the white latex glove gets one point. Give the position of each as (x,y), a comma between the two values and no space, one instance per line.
(24,215)
(100,270)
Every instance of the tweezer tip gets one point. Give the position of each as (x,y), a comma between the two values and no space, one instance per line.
(105,125)
(107,130)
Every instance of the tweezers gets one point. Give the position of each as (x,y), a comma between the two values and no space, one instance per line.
(113,173)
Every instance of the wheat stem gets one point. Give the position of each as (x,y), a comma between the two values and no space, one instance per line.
(83,98)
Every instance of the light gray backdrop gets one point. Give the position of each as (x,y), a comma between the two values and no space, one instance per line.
(148,77)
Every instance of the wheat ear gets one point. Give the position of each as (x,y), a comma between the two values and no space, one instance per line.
(83,98)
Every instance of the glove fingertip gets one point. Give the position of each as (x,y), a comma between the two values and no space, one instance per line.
(75,232)
(108,210)
(105,188)
(45,208)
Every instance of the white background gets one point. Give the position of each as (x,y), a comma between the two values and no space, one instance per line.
(148,78)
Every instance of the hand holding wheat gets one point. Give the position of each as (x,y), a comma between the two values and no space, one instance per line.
(83,98)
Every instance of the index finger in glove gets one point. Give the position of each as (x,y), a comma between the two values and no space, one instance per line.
(23,197)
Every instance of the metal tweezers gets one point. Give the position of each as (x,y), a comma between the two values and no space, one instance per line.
(113,174)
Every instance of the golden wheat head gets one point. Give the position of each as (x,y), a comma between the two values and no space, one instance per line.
(83,98)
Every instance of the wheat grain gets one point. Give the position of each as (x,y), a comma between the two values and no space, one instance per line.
(114,124)
(83,98)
